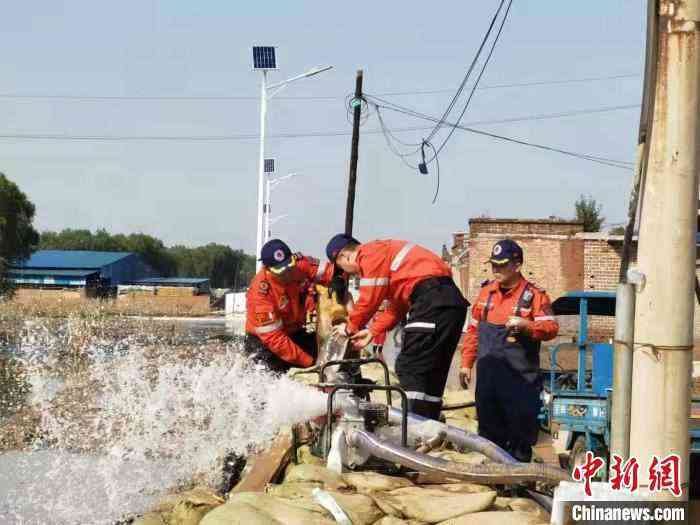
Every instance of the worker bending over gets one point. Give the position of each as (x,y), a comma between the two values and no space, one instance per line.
(510,318)
(276,308)
(417,282)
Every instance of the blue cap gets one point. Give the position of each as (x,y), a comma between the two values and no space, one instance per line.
(337,243)
(276,255)
(505,251)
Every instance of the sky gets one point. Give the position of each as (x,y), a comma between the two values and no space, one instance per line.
(198,191)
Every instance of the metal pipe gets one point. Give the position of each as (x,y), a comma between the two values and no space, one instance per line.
(622,371)
(261,171)
(490,473)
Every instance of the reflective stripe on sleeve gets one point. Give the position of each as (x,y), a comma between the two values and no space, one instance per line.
(398,259)
(473,322)
(379,281)
(266,329)
(545,318)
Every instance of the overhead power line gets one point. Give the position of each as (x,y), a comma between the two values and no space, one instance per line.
(293,135)
(412,113)
(232,98)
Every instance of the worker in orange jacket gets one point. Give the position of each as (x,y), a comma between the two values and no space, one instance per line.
(509,320)
(276,308)
(417,282)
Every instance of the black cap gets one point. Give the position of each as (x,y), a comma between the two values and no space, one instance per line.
(276,255)
(505,251)
(337,243)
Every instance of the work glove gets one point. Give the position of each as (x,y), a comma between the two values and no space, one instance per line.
(465,377)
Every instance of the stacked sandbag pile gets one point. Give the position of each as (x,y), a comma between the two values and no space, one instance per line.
(366,498)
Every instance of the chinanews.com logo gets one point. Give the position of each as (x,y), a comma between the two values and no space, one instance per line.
(663,475)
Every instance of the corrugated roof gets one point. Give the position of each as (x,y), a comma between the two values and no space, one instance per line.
(72,259)
(51,273)
(175,281)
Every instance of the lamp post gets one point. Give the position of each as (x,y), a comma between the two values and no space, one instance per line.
(271,183)
(264,60)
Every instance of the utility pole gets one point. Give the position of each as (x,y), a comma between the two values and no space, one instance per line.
(663,338)
(352,180)
(623,356)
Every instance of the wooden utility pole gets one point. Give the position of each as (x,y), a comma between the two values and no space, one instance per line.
(352,179)
(663,335)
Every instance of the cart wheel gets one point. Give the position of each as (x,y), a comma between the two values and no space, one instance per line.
(577,456)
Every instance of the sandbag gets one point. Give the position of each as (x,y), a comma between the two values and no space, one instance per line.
(522,505)
(464,488)
(238,513)
(305,457)
(151,518)
(315,473)
(360,509)
(289,512)
(433,505)
(390,520)
(365,482)
(193,505)
(495,518)
(293,490)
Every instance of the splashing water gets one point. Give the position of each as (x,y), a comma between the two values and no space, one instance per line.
(134,419)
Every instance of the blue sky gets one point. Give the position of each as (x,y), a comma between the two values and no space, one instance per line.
(194,192)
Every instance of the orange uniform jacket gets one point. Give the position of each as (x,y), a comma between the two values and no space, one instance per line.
(276,310)
(542,325)
(390,270)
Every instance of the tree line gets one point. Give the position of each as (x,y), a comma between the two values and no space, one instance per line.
(225,267)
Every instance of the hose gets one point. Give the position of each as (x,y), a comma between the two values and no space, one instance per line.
(490,473)
(424,428)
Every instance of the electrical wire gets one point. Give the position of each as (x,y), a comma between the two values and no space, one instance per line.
(465,79)
(415,114)
(481,73)
(233,98)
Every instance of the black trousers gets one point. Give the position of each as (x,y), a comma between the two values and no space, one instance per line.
(431,334)
(507,407)
(257,352)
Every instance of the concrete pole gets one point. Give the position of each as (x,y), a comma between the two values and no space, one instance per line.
(261,171)
(664,307)
(622,371)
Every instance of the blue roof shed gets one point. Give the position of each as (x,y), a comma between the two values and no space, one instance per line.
(114,267)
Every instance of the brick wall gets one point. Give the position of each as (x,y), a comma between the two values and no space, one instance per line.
(510,227)
(554,263)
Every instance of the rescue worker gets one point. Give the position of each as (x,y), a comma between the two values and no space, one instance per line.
(276,308)
(509,320)
(417,282)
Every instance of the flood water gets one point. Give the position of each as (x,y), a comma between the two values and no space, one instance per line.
(105,416)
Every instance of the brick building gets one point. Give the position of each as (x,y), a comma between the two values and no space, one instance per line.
(559,257)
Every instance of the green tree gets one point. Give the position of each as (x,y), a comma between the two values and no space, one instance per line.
(588,211)
(617,230)
(225,267)
(18,238)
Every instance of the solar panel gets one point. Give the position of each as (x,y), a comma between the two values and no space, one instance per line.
(269,166)
(264,57)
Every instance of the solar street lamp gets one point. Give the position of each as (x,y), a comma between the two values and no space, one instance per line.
(264,59)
